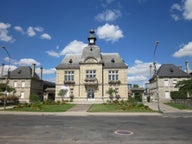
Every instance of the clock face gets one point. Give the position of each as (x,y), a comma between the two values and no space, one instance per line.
(91,41)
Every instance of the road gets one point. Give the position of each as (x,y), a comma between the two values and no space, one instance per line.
(47,129)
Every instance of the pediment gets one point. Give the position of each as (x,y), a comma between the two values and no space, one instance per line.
(90,60)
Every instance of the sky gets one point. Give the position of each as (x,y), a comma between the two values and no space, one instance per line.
(44,31)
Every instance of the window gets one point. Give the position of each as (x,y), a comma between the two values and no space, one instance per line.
(69,75)
(167,95)
(113,75)
(174,82)
(22,84)
(166,83)
(22,95)
(90,73)
(14,84)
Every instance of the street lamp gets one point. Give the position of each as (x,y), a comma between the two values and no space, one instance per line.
(156,74)
(8,73)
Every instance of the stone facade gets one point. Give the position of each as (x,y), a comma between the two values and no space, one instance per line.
(25,82)
(167,77)
(89,75)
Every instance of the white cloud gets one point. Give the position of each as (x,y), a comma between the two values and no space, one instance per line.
(73,47)
(4,25)
(39,29)
(175,17)
(47,71)
(108,15)
(139,73)
(53,53)
(6,67)
(109,32)
(4,32)
(188,10)
(19,29)
(185,8)
(26,61)
(176,6)
(139,79)
(45,36)
(140,68)
(185,50)
(31,32)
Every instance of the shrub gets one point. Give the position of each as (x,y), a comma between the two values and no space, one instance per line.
(34,98)
(178,95)
(10,99)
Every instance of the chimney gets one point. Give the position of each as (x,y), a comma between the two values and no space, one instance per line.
(33,70)
(150,70)
(41,73)
(187,66)
(2,69)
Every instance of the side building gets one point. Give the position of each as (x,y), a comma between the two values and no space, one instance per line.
(164,83)
(25,81)
(88,75)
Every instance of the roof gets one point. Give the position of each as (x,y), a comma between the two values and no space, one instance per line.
(109,60)
(113,60)
(70,61)
(171,71)
(23,72)
(91,51)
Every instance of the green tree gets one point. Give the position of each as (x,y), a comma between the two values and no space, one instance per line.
(34,98)
(185,86)
(4,87)
(135,86)
(62,93)
(110,92)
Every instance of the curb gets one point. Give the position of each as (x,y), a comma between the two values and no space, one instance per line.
(81,113)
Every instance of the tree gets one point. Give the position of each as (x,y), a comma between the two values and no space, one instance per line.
(62,93)
(135,86)
(4,87)
(110,92)
(185,86)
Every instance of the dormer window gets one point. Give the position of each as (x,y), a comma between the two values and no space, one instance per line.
(70,61)
(112,60)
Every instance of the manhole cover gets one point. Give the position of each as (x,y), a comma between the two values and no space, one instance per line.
(123,132)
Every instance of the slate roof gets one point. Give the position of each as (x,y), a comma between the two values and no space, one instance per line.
(91,51)
(110,60)
(23,72)
(70,61)
(113,60)
(171,71)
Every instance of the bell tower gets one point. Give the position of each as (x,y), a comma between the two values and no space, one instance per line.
(92,38)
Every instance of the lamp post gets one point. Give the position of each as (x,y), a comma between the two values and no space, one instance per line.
(156,75)
(8,73)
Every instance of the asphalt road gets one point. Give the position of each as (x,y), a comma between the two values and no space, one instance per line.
(22,129)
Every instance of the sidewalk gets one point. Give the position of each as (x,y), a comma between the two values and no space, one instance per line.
(81,110)
(165,108)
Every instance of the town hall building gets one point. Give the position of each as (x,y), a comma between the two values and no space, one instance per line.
(87,76)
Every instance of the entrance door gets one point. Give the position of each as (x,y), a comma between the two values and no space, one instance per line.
(90,93)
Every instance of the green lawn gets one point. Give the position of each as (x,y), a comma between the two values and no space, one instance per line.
(175,105)
(117,108)
(44,108)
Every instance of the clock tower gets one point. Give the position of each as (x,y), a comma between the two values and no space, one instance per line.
(92,37)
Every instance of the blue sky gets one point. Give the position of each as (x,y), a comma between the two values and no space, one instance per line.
(44,31)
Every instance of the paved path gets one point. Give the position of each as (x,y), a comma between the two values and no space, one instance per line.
(80,108)
(165,108)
